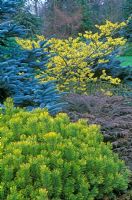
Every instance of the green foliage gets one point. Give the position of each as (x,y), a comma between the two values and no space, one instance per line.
(126,60)
(127,32)
(29,21)
(128,51)
(127,8)
(87,21)
(50,158)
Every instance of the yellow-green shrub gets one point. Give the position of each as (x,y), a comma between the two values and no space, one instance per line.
(45,158)
(74,56)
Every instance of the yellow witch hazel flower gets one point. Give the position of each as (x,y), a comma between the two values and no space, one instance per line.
(107,93)
(27,44)
(71,65)
(114,81)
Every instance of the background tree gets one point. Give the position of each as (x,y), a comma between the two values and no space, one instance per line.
(128,30)
(62,18)
(83,14)
(127,8)
(26,17)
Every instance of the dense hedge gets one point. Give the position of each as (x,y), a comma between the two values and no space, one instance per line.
(46,158)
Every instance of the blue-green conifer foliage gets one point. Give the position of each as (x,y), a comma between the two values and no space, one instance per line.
(18,67)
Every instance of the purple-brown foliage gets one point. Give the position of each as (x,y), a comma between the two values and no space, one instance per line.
(114,114)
